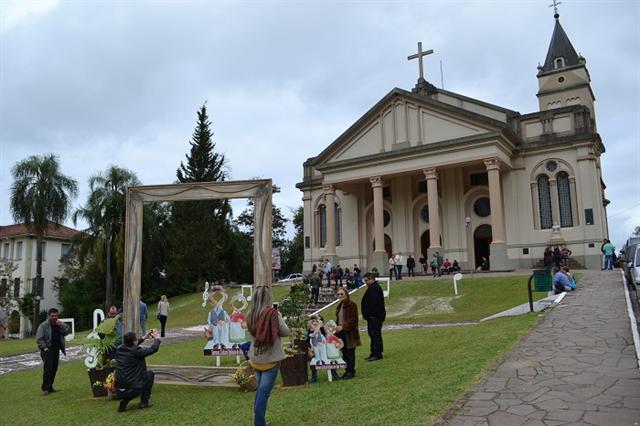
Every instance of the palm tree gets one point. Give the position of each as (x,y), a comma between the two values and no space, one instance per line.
(105,215)
(41,194)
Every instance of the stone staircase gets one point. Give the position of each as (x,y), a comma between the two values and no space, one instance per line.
(326,296)
(573,264)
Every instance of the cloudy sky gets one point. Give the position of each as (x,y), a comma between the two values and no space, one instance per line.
(119,82)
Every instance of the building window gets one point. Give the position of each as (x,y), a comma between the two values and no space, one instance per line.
(477,179)
(7,249)
(307,242)
(3,288)
(551,166)
(588,216)
(322,213)
(386,192)
(386,217)
(64,249)
(424,214)
(44,250)
(19,250)
(482,207)
(544,200)
(564,200)
(558,62)
(16,288)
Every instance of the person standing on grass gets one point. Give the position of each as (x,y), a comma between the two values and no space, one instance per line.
(132,377)
(399,261)
(373,311)
(144,314)
(50,340)
(266,326)
(347,330)
(163,313)
(392,267)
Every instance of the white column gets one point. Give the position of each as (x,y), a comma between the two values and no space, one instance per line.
(495,196)
(330,205)
(431,175)
(378,213)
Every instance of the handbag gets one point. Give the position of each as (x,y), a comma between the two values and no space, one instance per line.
(158,316)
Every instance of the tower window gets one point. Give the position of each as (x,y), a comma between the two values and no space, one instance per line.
(558,62)
(560,79)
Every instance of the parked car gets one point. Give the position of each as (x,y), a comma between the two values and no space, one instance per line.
(633,264)
(292,278)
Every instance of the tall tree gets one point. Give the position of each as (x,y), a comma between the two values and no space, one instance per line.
(294,253)
(41,196)
(105,215)
(200,230)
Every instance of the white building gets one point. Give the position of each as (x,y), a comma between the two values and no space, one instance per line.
(18,245)
(429,170)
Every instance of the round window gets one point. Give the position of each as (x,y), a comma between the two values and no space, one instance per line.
(424,214)
(560,79)
(387,218)
(482,207)
(552,166)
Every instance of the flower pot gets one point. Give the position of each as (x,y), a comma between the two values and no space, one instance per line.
(293,370)
(98,375)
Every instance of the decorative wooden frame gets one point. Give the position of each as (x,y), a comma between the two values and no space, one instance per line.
(258,190)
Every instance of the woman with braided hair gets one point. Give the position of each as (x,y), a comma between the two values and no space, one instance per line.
(266,326)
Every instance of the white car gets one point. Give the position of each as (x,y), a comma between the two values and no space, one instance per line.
(292,278)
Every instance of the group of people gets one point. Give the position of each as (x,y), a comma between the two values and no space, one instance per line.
(336,274)
(563,280)
(608,254)
(438,265)
(556,256)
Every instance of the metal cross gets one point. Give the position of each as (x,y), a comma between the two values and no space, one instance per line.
(555,5)
(419,55)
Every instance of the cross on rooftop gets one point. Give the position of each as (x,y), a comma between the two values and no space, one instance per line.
(419,56)
(555,5)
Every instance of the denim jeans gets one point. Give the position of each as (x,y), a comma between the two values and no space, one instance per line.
(608,262)
(266,380)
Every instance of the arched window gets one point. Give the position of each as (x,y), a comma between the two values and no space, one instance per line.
(322,216)
(322,212)
(559,62)
(544,200)
(564,200)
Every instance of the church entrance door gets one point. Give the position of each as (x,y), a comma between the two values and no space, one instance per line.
(388,246)
(425,242)
(481,242)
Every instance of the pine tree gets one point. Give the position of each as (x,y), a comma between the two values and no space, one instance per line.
(200,230)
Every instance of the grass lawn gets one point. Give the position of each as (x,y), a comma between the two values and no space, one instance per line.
(423,372)
(434,301)
(186,310)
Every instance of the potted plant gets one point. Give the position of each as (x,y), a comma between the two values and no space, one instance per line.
(294,368)
(99,347)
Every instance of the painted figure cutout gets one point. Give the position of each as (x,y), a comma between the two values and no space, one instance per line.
(219,319)
(238,320)
(334,344)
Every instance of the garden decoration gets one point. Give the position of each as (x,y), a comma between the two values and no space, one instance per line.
(225,334)
(457,277)
(99,345)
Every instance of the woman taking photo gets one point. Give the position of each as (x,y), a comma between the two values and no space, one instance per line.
(163,312)
(266,326)
(347,330)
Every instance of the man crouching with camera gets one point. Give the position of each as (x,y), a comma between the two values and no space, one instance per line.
(132,377)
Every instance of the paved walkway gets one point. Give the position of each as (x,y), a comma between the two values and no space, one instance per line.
(577,367)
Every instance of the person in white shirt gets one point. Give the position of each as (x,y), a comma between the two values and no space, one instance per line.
(399,261)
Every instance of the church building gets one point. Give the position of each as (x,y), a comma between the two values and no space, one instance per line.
(429,170)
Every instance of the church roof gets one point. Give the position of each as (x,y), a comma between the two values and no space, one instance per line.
(52,231)
(560,46)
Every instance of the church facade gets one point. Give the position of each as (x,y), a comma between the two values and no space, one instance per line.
(429,170)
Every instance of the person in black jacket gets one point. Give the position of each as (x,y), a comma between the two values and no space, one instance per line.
(50,340)
(373,311)
(132,377)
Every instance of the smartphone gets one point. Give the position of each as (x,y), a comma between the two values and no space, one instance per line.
(275,306)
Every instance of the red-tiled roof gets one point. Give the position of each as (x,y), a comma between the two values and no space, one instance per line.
(52,231)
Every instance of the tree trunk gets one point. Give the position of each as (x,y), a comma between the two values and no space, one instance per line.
(35,288)
(109,280)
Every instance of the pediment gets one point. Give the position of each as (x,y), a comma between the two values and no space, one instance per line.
(404,120)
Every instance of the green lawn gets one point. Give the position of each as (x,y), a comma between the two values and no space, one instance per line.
(423,372)
(434,301)
(21,346)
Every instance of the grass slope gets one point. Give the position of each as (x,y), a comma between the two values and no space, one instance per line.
(423,372)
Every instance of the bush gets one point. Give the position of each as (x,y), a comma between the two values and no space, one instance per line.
(76,300)
(14,322)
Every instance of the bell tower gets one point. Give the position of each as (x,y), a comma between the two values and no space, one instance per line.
(564,80)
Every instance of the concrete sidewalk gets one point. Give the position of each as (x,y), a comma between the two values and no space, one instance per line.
(577,366)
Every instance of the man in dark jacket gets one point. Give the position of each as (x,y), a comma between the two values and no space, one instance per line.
(132,377)
(374,313)
(50,340)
